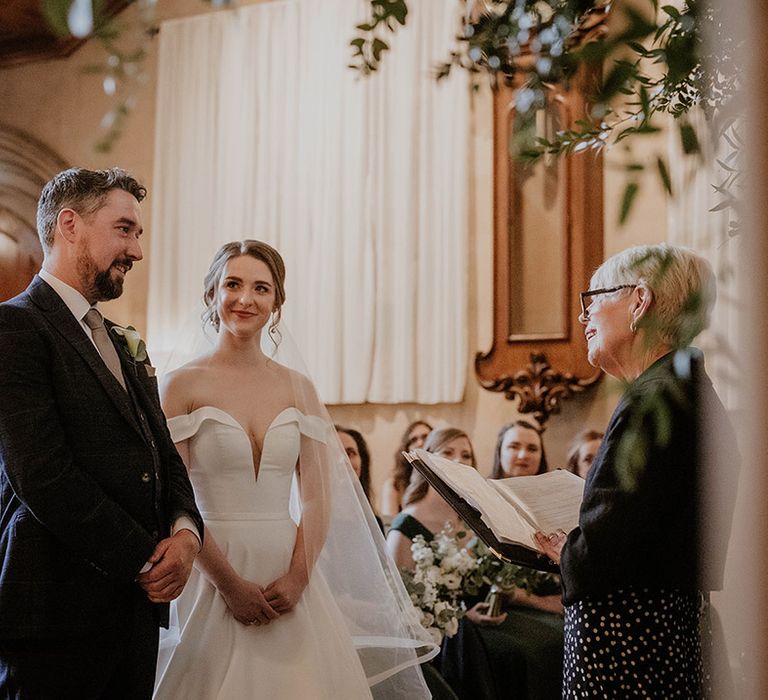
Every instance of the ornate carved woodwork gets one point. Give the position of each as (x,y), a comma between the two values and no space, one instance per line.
(539,388)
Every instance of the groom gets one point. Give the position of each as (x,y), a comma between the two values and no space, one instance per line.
(98,523)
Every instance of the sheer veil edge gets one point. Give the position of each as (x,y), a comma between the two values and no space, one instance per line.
(343,541)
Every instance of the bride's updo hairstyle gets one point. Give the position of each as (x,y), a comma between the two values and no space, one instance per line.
(256,249)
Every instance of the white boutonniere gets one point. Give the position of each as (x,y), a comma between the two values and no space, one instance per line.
(134,343)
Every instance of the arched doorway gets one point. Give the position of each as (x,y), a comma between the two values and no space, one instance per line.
(25,166)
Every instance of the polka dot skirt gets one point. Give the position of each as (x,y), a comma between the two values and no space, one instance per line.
(634,643)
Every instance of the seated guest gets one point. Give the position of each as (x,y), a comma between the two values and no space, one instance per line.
(519,653)
(519,451)
(463,659)
(532,635)
(582,452)
(424,510)
(394,487)
(359,457)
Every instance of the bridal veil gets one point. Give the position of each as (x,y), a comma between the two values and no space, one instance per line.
(342,540)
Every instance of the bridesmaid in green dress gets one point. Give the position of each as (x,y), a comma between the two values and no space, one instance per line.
(517,654)
(534,612)
(426,513)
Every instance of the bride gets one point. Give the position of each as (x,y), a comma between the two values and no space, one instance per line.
(292,595)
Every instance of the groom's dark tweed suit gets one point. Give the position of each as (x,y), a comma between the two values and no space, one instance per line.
(89,483)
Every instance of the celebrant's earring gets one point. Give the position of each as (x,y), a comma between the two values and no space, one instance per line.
(633,326)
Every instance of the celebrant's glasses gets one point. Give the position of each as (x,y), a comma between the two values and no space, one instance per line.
(586,297)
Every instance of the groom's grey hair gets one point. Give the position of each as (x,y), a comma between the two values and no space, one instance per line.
(82,190)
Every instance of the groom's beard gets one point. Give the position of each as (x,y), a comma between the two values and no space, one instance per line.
(100,285)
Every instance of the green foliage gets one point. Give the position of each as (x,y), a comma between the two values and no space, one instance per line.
(126,49)
(55,13)
(368,48)
(649,428)
(661,165)
(654,65)
(491,571)
(630,191)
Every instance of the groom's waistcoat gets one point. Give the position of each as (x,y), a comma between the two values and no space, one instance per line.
(89,478)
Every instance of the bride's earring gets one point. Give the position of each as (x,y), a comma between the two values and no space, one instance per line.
(214,320)
(273,323)
(274,330)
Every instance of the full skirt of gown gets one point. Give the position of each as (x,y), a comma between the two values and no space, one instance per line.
(307,653)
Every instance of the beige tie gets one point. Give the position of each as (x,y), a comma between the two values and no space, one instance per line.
(95,321)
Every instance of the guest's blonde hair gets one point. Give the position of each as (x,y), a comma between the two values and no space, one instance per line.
(585,436)
(436,440)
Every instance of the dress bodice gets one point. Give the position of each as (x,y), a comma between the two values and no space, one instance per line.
(222,467)
(410,527)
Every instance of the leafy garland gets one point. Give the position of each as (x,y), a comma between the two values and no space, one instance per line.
(655,67)
(655,63)
(126,45)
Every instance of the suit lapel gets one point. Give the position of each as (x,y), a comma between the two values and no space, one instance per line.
(64,323)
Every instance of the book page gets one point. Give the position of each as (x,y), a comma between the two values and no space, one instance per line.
(549,501)
(505,522)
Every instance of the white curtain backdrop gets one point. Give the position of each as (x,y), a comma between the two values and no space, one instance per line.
(690,222)
(263,132)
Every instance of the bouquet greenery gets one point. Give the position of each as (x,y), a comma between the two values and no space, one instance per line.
(491,571)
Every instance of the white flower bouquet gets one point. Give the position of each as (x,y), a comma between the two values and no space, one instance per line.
(436,584)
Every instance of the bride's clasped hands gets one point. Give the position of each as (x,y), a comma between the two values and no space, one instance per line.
(283,593)
(247,602)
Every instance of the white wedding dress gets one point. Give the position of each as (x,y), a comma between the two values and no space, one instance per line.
(306,654)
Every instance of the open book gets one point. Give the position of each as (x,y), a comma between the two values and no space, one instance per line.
(505,513)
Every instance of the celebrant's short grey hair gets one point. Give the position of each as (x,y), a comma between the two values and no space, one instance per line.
(682,282)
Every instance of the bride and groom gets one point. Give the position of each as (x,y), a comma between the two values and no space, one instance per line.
(291,594)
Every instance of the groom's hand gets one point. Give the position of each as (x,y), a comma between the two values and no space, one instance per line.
(171,565)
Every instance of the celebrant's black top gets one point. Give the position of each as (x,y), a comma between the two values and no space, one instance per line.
(646,534)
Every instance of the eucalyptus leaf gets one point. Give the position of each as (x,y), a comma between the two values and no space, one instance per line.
(56,14)
(662,417)
(690,141)
(616,79)
(672,11)
(726,166)
(720,206)
(664,174)
(630,191)
(378,47)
